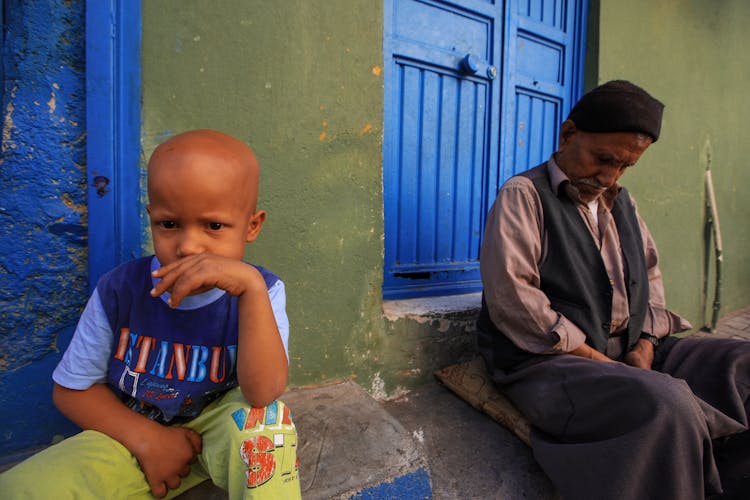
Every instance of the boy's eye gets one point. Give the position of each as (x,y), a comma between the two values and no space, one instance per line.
(168,224)
(215,226)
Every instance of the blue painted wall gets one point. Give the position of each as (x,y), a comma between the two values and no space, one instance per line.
(43,253)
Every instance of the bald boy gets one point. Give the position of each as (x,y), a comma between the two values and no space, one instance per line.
(178,358)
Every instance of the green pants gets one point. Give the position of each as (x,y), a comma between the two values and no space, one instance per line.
(250,452)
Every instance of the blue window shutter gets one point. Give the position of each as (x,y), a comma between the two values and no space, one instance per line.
(454,131)
(545,56)
(437,143)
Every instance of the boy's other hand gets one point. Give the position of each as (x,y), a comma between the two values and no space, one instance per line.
(201,272)
(165,456)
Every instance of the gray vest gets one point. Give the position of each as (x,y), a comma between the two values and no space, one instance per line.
(573,275)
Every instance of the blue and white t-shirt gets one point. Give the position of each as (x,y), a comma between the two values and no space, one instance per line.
(164,363)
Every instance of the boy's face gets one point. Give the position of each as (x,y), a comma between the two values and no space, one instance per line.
(202,189)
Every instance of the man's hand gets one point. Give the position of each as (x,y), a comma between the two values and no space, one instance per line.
(201,272)
(165,455)
(586,351)
(642,355)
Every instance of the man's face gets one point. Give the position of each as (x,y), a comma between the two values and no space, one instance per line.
(594,162)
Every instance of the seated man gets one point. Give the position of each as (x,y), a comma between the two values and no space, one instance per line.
(574,327)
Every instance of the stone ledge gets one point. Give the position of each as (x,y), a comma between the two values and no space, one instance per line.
(462,306)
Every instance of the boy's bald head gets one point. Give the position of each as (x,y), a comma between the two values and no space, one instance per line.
(207,152)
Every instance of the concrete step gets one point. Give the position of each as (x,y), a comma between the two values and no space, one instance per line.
(426,444)
(349,447)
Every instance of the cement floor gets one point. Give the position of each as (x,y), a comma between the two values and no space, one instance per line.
(470,455)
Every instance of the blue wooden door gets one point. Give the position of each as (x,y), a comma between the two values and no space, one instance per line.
(441,88)
(458,75)
(545,55)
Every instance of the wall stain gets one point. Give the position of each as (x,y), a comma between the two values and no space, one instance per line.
(366,129)
(8,125)
(52,104)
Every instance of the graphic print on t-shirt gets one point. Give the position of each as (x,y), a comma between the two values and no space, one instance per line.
(154,370)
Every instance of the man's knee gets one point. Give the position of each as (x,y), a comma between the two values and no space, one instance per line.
(616,400)
(659,393)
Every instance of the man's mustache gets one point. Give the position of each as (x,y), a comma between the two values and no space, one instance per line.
(591,182)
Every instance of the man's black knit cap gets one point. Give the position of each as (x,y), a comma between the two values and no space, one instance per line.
(618,106)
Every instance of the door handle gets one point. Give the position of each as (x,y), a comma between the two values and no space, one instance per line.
(469,65)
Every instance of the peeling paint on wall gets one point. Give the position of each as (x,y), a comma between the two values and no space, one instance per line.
(43,203)
(43,255)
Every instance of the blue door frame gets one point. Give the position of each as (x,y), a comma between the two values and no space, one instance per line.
(112,35)
(113,109)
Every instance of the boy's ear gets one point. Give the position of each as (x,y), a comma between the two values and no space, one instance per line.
(253,227)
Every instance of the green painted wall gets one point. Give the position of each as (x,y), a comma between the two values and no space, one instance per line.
(302,83)
(693,55)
